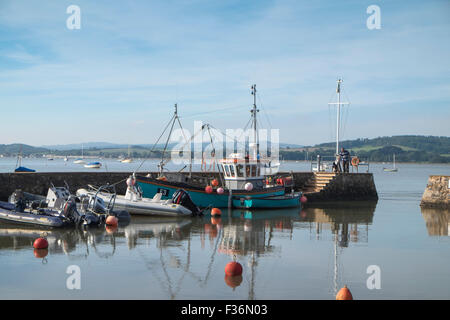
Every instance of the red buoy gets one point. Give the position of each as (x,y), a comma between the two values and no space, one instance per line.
(233,281)
(40,253)
(303,199)
(344,294)
(208,189)
(233,269)
(216,220)
(111,229)
(216,212)
(215,183)
(112,221)
(40,243)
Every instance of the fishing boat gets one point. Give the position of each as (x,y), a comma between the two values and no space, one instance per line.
(135,203)
(393,169)
(93,165)
(243,179)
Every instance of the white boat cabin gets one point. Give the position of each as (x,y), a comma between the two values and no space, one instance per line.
(238,171)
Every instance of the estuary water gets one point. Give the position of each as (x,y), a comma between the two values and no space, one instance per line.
(306,253)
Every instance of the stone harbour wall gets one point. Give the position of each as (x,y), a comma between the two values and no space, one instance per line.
(349,186)
(437,193)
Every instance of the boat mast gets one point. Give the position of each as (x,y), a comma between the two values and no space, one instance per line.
(255,132)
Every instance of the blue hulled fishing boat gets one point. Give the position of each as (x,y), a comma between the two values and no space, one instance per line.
(245,181)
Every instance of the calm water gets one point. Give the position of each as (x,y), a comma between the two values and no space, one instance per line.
(285,254)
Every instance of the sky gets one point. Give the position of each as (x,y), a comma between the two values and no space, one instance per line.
(117,78)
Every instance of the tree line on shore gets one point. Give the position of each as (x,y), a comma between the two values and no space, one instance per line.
(406,149)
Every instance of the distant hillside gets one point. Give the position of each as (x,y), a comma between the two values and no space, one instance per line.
(16,148)
(406,149)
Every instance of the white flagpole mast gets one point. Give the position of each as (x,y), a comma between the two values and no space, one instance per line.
(338,118)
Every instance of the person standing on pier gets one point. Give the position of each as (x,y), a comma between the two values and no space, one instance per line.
(345,156)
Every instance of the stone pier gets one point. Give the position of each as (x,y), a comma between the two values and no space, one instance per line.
(437,193)
(341,187)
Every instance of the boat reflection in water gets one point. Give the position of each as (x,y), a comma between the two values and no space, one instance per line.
(437,221)
(174,253)
(251,233)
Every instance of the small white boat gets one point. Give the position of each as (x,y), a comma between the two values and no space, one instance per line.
(134,203)
(80,160)
(394,169)
(127,159)
(93,165)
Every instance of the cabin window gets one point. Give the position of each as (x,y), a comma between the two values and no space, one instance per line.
(254,171)
(247,170)
(227,170)
(232,170)
(240,170)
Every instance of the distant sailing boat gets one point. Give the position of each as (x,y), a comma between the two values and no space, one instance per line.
(19,167)
(128,159)
(394,169)
(81,160)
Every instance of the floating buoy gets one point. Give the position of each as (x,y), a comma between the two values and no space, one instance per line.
(215,183)
(112,221)
(220,190)
(248,186)
(233,268)
(216,212)
(111,229)
(40,243)
(208,189)
(303,199)
(216,220)
(233,281)
(40,253)
(344,294)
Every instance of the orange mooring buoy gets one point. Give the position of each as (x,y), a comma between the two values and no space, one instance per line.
(112,221)
(40,243)
(303,199)
(233,281)
(233,268)
(344,294)
(40,253)
(215,183)
(110,229)
(216,220)
(216,212)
